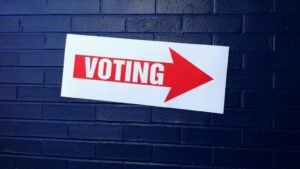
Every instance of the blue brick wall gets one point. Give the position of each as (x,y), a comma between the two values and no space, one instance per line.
(260,127)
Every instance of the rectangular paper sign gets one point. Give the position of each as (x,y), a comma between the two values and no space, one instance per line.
(163,74)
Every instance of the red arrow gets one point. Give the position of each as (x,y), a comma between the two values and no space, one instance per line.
(181,75)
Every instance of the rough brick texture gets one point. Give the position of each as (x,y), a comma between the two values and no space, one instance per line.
(259,129)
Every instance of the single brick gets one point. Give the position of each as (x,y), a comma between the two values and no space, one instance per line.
(243,118)
(272,61)
(287,6)
(181,154)
(22,41)
(287,159)
(123,113)
(73,7)
(38,163)
(128,6)
(21,75)
(69,111)
(271,99)
(232,98)
(131,165)
(153,24)
(184,6)
(287,81)
(41,58)
(122,151)
(55,41)
(68,149)
(235,60)
(7,162)
(185,38)
(9,58)
(286,120)
(41,129)
(45,24)
(20,146)
(98,24)
(96,131)
(271,23)
(7,127)
(94,165)
(271,139)
(141,36)
(9,24)
(8,93)
(245,42)
(242,158)
(249,80)
(20,110)
(243,6)
(163,115)
(53,76)
(146,133)
(211,23)
(287,42)
(207,136)
(39,93)
(22,7)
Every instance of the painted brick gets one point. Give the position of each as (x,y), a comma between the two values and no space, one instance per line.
(241,158)
(96,131)
(153,24)
(272,61)
(16,75)
(181,154)
(20,146)
(41,58)
(286,120)
(176,116)
(45,24)
(122,151)
(287,159)
(8,58)
(243,118)
(271,23)
(185,38)
(267,138)
(38,163)
(128,7)
(22,7)
(243,6)
(41,129)
(9,24)
(39,93)
(150,166)
(287,81)
(141,36)
(73,7)
(272,100)
(287,42)
(55,41)
(94,165)
(210,23)
(8,93)
(68,149)
(53,76)
(7,162)
(208,136)
(123,113)
(249,80)
(6,127)
(184,6)
(235,60)
(287,6)
(146,133)
(22,41)
(20,110)
(69,111)
(98,24)
(232,98)
(245,42)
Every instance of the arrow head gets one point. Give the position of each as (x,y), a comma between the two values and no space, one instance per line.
(182,76)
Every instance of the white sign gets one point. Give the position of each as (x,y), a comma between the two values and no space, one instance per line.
(163,74)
